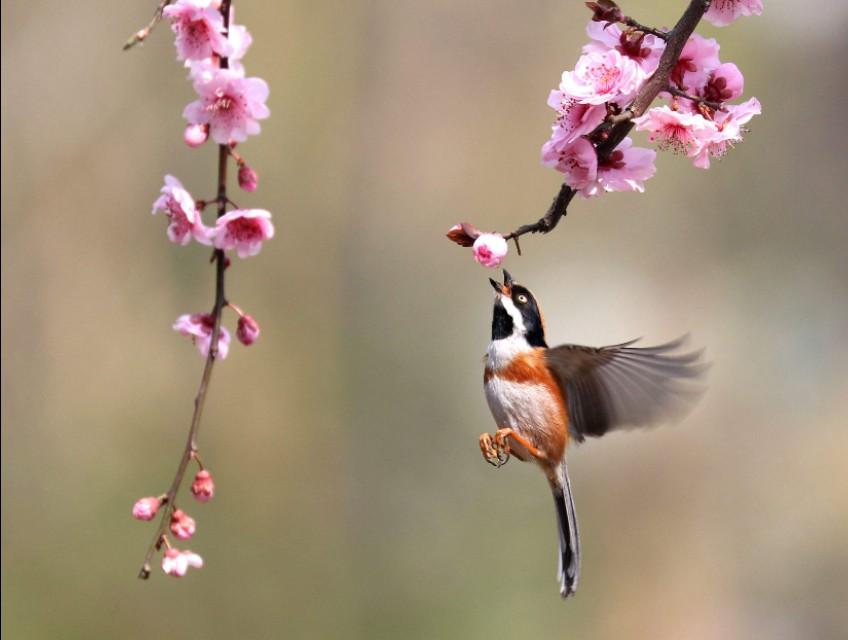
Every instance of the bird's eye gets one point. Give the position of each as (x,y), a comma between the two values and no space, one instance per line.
(522,299)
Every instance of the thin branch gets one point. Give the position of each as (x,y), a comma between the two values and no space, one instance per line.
(659,33)
(190,450)
(616,127)
(141,35)
(715,106)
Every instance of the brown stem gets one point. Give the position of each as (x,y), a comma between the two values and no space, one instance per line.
(616,127)
(141,35)
(190,449)
(715,106)
(659,33)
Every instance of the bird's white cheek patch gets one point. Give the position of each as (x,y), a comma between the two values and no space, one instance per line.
(515,314)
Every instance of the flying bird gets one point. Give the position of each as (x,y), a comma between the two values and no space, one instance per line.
(545,398)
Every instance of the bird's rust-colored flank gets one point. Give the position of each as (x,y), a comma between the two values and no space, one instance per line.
(530,368)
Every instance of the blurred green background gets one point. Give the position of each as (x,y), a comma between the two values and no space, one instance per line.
(352,500)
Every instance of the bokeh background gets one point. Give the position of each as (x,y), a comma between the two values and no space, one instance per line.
(352,500)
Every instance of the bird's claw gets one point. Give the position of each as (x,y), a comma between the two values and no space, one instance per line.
(495,450)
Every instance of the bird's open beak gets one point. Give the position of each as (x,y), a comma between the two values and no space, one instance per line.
(504,288)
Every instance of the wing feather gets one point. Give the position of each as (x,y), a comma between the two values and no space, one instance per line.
(620,386)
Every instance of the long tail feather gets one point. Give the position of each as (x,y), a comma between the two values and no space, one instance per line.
(569,538)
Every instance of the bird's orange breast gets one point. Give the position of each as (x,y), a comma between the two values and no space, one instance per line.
(530,369)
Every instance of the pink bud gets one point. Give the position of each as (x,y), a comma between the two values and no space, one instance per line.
(248,330)
(203,488)
(247,178)
(196,134)
(182,525)
(176,563)
(490,249)
(146,508)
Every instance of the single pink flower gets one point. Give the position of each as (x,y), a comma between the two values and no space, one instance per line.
(729,127)
(176,563)
(248,330)
(199,28)
(182,525)
(490,249)
(229,104)
(198,326)
(243,230)
(247,178)
(179,206)
(722,12)
(626,169)
(205,69)
(196,134)
(725,83)
(574,119)
(644,49)
(698,58)
(146,508)
(576,159)
(602,77)
(203,488)
(680,131)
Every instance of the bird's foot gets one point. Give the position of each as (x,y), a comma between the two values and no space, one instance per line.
(496,454)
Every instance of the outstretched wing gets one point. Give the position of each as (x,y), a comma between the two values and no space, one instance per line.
(623,386)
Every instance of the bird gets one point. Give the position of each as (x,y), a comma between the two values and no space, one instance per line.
(543,399)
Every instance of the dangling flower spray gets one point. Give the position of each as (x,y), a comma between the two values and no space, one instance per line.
(228,108)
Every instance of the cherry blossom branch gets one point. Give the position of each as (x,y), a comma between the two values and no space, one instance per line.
(616,127)
(141,35)
(190,449)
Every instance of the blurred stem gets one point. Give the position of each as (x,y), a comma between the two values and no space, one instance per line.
(141,35)
(190,450)
(615,128)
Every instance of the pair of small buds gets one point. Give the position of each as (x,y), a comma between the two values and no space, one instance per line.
(490,249)
(202,488)
(197,134)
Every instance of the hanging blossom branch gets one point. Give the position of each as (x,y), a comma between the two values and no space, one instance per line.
(227,109)
(622,71)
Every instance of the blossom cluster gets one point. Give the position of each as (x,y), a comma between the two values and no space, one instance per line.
(176,562)
(227,109)
(696,119)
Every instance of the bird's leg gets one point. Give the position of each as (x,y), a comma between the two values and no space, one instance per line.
(496,457)
(501,443)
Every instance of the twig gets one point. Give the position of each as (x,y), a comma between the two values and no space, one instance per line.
(141,35)
(616,127)
(659,33)
(715,106)
(190,450)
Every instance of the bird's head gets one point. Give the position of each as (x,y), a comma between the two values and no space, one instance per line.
(516,313)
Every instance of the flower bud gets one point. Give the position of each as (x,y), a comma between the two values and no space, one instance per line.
(176,563)
(247,178)
(463,234)
(248,330)
(146,508)
(203,488)
(605,11)
(182,525)
(196,134)
(490,249)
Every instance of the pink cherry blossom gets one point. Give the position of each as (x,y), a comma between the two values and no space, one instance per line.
(725,83)
(729,128)
(205,69)
(722,12)
(198,326)
(247,178)
(203,488)
(680,131)
(644,49)
(576,159)
(196,134)
(243,230)
(490,249)
(574,119)
(182,525)
(248,330)
(602,77)
(179,206)
(229,104)
(626,169)
(146,508)
(698,58)
(199,28)
(176,563)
